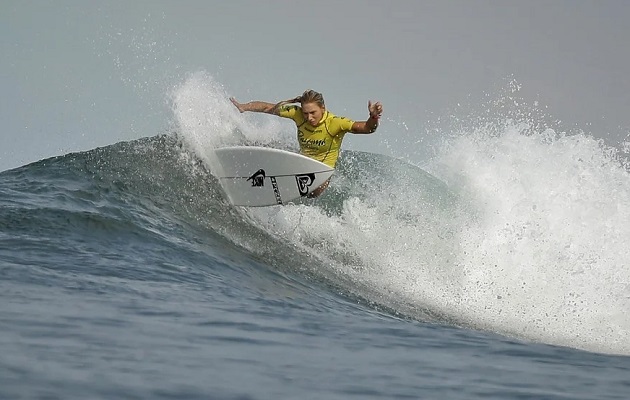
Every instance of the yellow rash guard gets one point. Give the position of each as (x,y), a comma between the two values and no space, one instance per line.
(321,142)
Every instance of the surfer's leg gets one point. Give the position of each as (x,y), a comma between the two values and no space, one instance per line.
(319,190)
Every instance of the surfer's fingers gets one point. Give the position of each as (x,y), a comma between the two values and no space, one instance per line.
(237,104)
(375,108)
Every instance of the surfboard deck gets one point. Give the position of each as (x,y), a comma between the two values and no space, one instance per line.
(261,176)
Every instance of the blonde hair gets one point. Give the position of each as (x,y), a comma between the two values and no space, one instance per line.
(309,96)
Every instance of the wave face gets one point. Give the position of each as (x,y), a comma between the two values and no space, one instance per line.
(509,230)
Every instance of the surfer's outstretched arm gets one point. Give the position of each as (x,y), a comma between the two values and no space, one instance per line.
(256,106)
(370,125)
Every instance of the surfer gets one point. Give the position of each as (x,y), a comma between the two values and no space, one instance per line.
(319,131)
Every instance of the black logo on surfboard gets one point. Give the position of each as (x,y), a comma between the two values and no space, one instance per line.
(304,182)
(258,179)
(276,191)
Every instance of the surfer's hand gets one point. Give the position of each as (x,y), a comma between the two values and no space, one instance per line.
(237,104)
(375,109)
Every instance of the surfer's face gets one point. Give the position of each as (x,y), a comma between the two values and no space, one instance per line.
(313,113)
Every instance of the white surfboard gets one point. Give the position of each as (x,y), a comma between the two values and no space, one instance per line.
(261,176)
